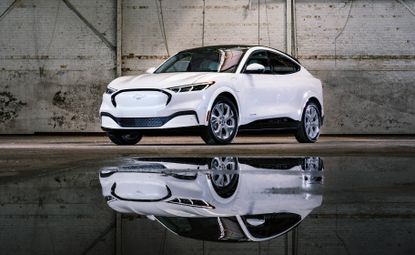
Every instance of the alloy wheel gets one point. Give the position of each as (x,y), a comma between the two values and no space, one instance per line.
(223,121)
(312,122)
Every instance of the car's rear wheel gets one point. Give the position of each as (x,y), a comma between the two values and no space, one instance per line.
(309,128)
(124,138)
(223,122)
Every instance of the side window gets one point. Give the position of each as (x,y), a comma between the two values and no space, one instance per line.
(259,57)
(281,64)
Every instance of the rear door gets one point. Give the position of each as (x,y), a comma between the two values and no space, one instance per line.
(256,89)
(287,85)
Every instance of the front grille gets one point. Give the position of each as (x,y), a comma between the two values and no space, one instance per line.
(142,122)
(127,93)
(147,122)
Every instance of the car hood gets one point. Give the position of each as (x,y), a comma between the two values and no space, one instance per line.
(160,80)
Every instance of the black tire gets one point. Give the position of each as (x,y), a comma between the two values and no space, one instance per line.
(309,127)
(219,138)
(124,138)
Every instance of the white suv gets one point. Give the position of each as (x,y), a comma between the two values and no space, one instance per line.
(215,91)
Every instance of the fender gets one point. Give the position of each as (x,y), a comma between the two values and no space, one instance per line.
(307,96)
(213,97)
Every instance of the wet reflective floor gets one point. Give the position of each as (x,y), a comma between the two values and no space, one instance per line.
(210,205)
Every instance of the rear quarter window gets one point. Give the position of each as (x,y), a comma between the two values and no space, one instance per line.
(281,64)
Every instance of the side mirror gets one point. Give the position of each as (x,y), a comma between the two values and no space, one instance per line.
(151,70)
(255,68)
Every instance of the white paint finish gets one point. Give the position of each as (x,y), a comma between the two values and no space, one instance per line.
(182,121)
(278,95)
(150,101)
(108,122)
(258,96)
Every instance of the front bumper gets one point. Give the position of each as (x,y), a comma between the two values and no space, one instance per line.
(144,109)
(175,120)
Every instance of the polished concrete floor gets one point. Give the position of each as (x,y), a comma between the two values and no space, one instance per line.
(22,153)
(247,145)
(51,200)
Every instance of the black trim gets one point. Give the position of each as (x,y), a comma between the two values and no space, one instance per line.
(258,127)
(220,47)
(128,90)
(286,54)
(139,200)
(264,126)
(180,160)
(271,124)
(147,121)
(273,163)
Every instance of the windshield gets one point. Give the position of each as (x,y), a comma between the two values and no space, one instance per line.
(204,60)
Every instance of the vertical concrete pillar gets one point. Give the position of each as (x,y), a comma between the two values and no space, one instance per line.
(291,43)
(119,39)
(288,26)
(294,29)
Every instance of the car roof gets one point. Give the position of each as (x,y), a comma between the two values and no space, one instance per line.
(243,46)
(223,46)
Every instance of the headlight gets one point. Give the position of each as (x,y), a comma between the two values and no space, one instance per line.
(110,90)
(192,87)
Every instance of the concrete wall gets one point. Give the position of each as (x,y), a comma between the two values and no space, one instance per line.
(364,53)
(54,68)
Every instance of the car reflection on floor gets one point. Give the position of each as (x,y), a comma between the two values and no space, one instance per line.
(217,199)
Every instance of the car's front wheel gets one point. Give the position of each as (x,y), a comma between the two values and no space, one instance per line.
(223,122)
(309,128)
(124,138)
(224,176)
